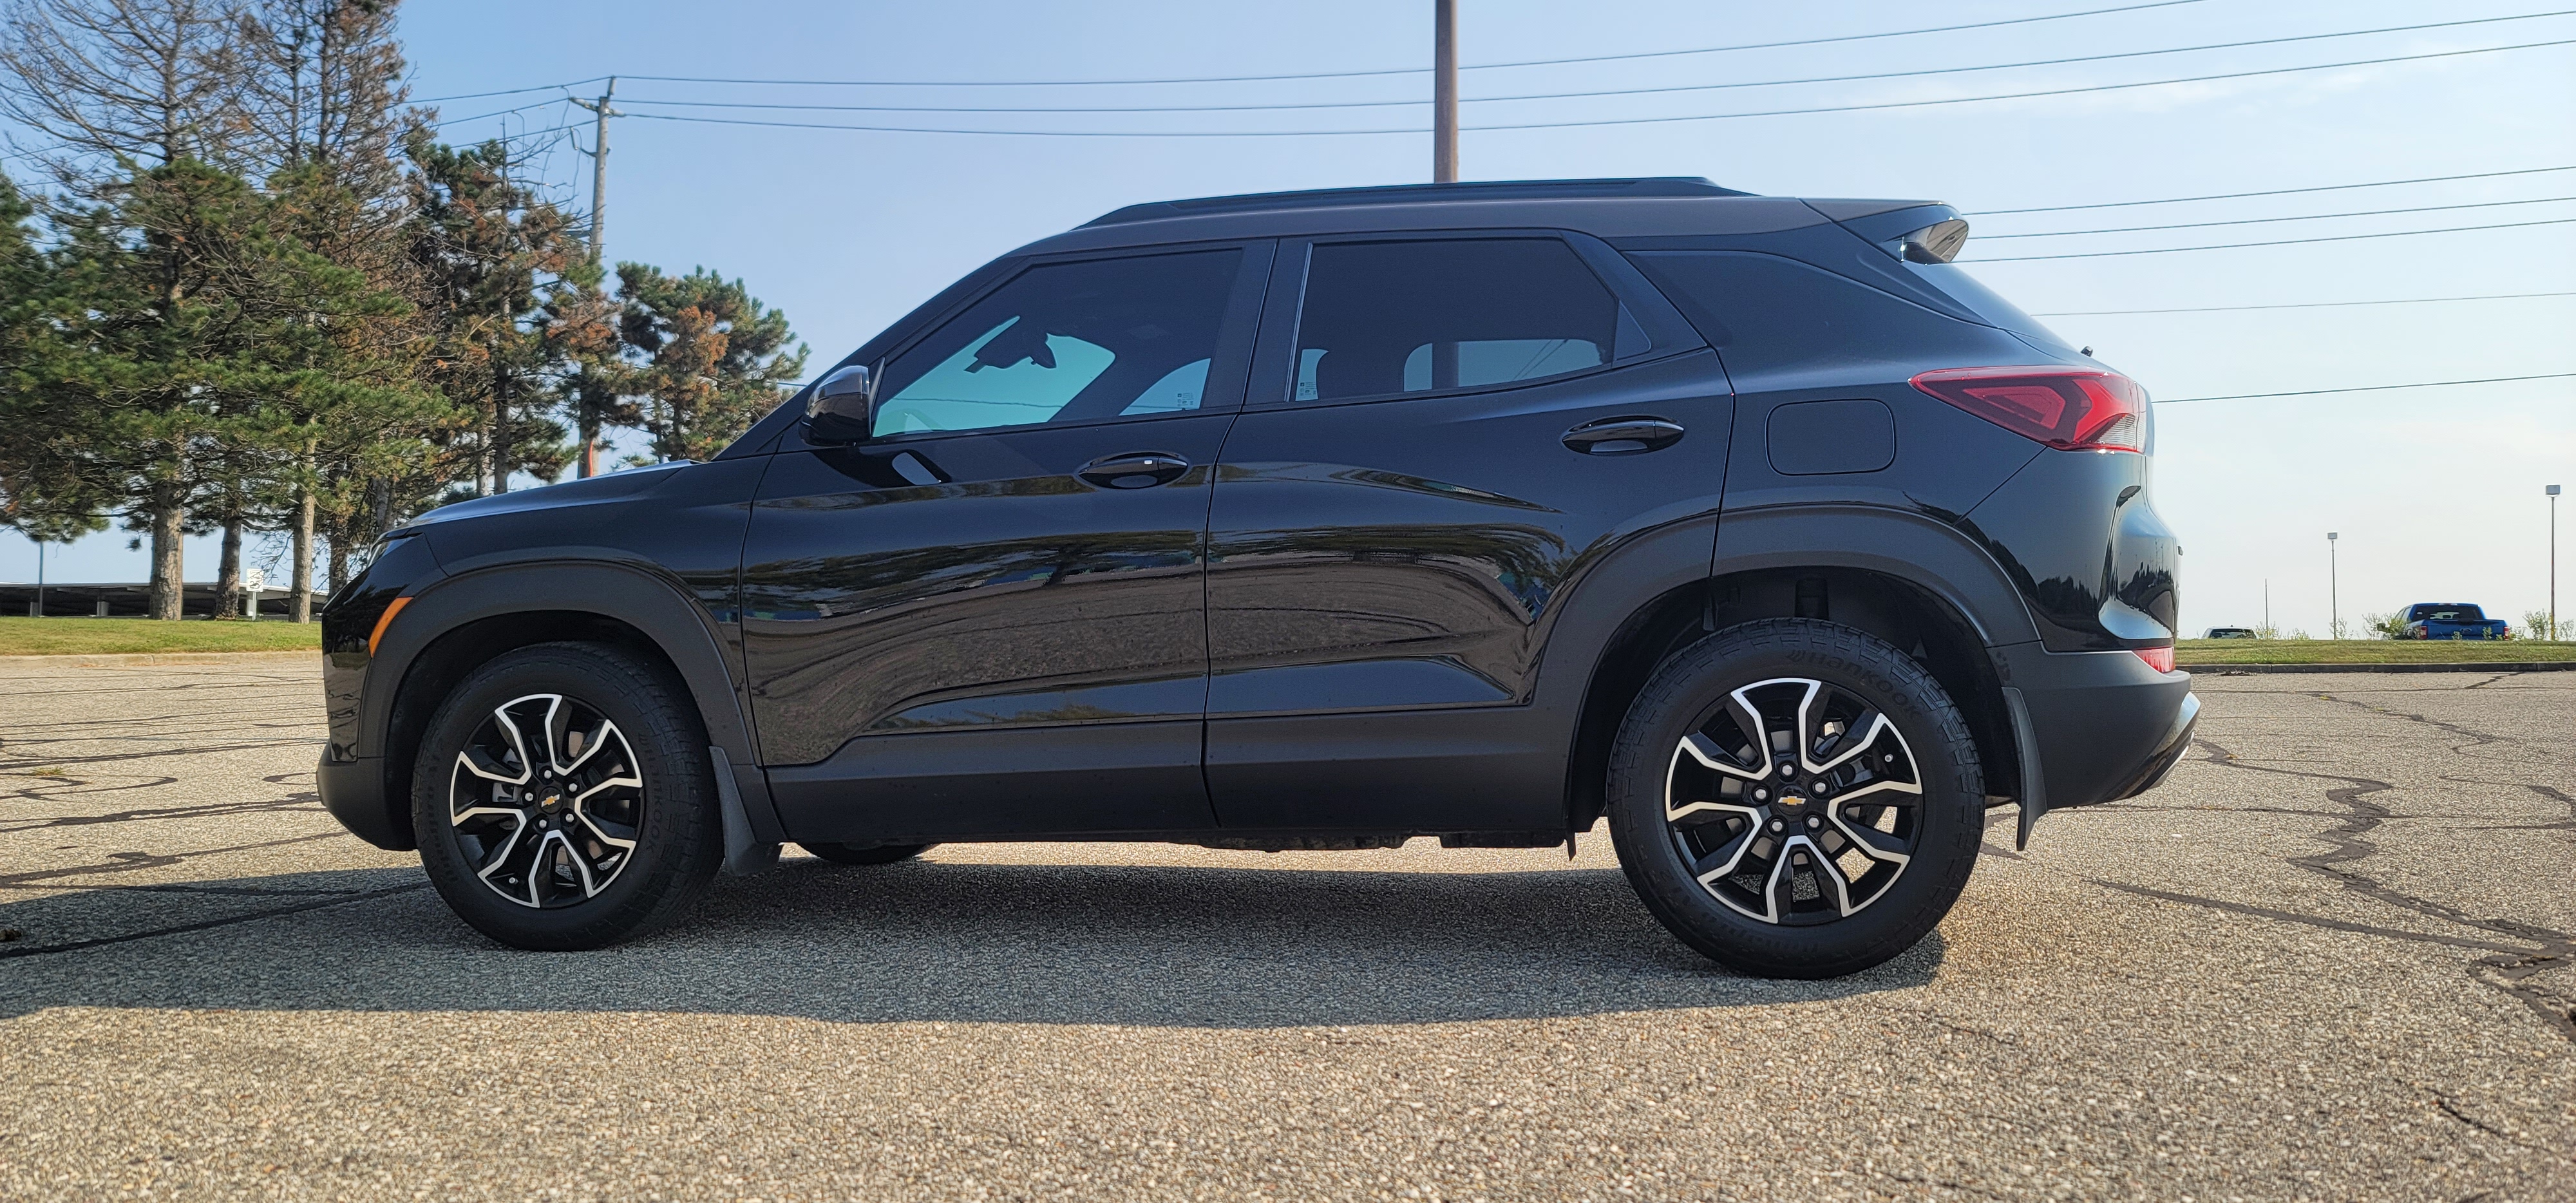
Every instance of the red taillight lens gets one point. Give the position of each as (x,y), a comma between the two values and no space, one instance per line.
(2157,658)
(2072,409)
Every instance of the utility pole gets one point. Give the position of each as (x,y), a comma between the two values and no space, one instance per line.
(2267,607)
(1444,92)
(599,168)
(598,223)
(2334,596)
(39,611)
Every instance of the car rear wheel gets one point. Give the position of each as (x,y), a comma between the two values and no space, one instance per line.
(879,854)
(563,799)
(1796,799)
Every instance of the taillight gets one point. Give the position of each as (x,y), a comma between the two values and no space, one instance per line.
(2072,409)
(2157,658)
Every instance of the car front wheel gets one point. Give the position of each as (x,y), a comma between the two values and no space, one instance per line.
(1796,799)
(563,799)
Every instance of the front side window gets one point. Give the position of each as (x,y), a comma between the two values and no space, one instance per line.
(1409,317)
(1068,342)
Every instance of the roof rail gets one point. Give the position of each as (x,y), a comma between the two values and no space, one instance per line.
(1409,194)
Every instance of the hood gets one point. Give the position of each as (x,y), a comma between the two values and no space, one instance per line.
(628,483)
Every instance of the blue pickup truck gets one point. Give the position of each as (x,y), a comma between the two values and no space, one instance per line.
(2452,620)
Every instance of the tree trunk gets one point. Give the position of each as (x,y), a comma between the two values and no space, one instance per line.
(589,438)
(488,454)
(300,605)
(339,563)
(169,555)
(501,464)
(228,574)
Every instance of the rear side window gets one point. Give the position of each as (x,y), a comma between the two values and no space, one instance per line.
(1955,282)
(1388,318)
(1766,313)
(1068,342)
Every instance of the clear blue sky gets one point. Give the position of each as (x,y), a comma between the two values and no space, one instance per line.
(2437,493)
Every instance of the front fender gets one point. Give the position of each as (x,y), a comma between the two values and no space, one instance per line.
(546,585)
(601,581)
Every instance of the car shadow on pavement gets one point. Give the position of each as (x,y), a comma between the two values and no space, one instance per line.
(1146,945)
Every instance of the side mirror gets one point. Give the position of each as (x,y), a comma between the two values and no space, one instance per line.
(841,408)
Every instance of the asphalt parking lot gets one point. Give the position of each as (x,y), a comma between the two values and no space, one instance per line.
(2331,959)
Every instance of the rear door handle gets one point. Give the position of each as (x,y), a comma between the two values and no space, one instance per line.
(1134,470)
(1624,436)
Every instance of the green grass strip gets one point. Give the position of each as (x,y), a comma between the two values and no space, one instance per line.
(114,636)
(2189,652)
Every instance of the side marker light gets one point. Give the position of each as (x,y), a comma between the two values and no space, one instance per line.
(377,636)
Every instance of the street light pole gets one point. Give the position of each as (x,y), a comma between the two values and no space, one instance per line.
(2334,595)
(2553,563)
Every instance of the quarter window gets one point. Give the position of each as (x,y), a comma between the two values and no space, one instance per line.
(1409,317)
(1068,342)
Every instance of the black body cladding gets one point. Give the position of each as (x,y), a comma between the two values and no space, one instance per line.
(1377,536)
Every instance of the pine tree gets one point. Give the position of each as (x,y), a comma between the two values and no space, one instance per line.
(491,253)
(594,384)
(110,84)
(714,359)
(347,407)
(43,494)
(155,371)
(136,99)
(323,113)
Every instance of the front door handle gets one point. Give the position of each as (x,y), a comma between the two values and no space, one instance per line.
(1623,436)
(1134,470)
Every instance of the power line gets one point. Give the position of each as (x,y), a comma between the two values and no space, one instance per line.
(2176,200)
(2367,388)
(1231,79)
(1757,83)
(2501,296)
(2229,246)
(2256,221)
(571,83)
(496,113)
(530,133)
(1846,108)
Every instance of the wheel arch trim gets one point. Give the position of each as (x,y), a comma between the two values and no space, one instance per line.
(1916,548)
(599,582)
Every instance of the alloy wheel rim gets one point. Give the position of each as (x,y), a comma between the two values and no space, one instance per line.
(545,801)
(1794,802)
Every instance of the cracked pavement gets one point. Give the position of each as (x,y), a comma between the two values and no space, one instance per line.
(2330,959)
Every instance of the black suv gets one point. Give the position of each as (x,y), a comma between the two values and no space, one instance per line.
(1323,520)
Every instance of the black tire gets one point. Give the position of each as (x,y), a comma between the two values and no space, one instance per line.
(675,839)
(1809,927)
(881,854)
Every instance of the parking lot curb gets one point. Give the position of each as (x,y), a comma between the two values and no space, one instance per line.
(2534,666)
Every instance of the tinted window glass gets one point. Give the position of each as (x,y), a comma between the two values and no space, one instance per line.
(1068,342)
(1985,302)
(1765,313)
(1409,317)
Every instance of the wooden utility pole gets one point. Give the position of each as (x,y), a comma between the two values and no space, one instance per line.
(1444,92)
(599,169)
(598,224)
